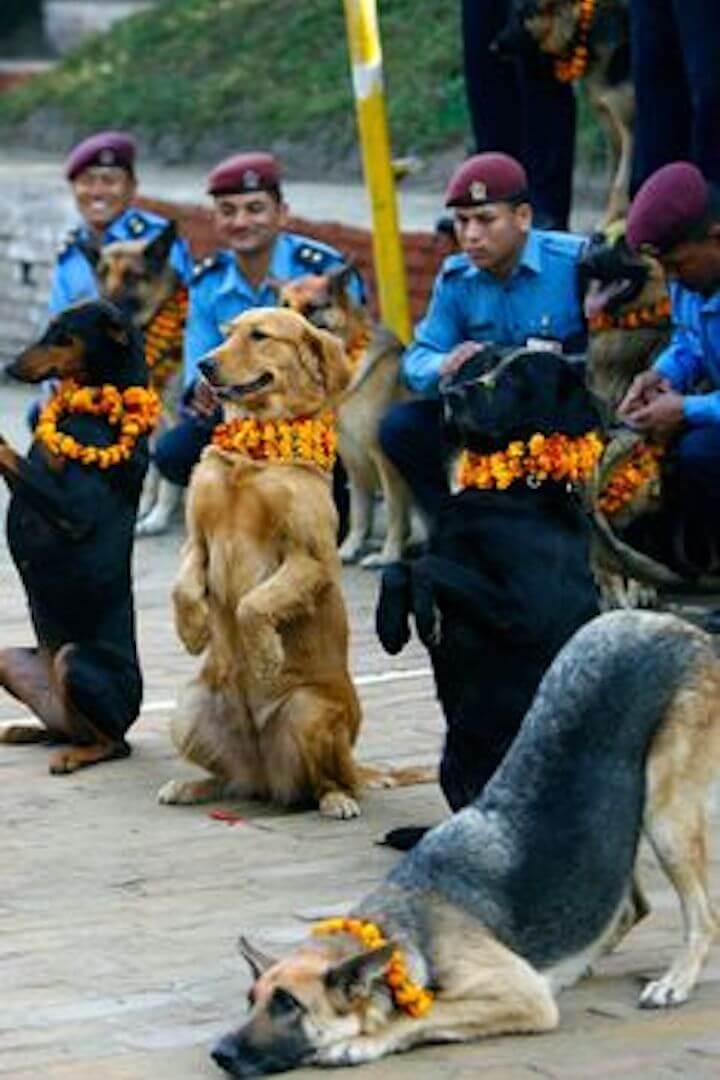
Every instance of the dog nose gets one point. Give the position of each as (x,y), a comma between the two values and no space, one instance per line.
(223,1054)
(207,367)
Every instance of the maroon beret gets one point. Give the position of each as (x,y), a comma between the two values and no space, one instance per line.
(487,178)
(242,173)
(105,148)
(669,203)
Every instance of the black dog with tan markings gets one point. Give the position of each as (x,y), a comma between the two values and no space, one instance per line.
(511,899)
(70,532)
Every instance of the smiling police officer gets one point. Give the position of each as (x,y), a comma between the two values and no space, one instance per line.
(101,172)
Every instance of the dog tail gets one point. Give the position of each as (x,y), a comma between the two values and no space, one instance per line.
(376,776)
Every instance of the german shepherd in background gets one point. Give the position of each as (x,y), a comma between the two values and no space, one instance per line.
(138,277)
(555,29)
(374,354)
(510,900)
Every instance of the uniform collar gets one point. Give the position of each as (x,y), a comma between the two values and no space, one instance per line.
(234,280)
(116,230)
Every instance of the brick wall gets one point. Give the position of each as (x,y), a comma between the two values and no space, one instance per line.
(422,255)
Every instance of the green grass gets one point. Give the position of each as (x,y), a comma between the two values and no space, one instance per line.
(256,72)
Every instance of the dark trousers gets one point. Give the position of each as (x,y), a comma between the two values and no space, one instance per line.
(412,437)
(676,71)
(694,493)
(518,107)
(178,451)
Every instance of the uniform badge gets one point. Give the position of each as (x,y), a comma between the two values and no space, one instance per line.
(251,180)
(478,191)
(106,157)
(136,225)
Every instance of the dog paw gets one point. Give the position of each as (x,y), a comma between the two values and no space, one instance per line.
(338,804)
(22,734)
(262,645)
(192,622)
(186,792)
(663,993)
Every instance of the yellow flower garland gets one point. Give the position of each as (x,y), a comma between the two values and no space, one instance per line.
(575,66)
(164,337)
(542,457)
(303,441)
(640,467)
(134,410)
(409,996)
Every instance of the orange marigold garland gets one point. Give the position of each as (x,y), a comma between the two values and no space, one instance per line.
(640,467)
(409,996)
(164,338)
(652,315)
(542,457)
(575,65)
(303,441)
(135,411)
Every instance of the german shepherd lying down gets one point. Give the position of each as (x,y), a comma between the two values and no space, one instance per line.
(509,901)
(506,579)
(374,355)
(70,531)
(138,277)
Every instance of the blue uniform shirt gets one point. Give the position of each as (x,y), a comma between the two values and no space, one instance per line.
(540,298)
(74,278)
(694,352)
(219,292)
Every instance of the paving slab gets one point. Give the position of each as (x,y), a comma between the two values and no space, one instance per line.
(119,917)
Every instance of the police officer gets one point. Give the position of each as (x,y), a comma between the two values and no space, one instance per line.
(675,47)
(676,216)
(249,216)
(101,172)
(508,285)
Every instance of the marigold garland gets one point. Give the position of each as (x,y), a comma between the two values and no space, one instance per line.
(575,65)
(302,441)
(134,410)
(640,467)
(409,996)
(164,338)
(651,315)
(542,457)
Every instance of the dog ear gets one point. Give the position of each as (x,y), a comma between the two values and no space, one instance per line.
(330,355)
(354,978)
(257,961)
(339,278)
(158,250)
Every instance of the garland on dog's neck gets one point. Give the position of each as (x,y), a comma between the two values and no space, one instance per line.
(306,440)
(543,457)
(658,314)
(164,336)
(134,410)
(575,65)
(408,996)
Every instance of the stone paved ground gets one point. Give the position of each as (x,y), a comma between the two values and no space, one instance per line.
(118,917)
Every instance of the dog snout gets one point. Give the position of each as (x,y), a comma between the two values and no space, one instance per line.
(225,1054)
(208,368)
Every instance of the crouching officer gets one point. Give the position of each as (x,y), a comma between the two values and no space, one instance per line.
(249,215)
(101,172)
(676,217)
(508,285)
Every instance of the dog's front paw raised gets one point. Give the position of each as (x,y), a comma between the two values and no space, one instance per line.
(663,993)
(262,645)
(192,621)
(338,804)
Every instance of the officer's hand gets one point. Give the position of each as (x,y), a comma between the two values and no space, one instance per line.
(204,401)
(663,415)
(459,356)
(643,389)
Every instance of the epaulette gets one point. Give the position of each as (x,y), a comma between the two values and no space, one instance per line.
(137,225)
(68,242)
(202,267)
(313,259)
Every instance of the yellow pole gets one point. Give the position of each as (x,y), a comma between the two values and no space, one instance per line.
(366,57)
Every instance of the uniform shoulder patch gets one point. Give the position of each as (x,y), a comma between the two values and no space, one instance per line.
(137,225)
(69,241)
(313,258)
(204,265)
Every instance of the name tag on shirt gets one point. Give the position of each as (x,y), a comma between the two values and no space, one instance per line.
(539,344)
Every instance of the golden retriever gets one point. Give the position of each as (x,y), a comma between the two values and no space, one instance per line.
(273,713)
